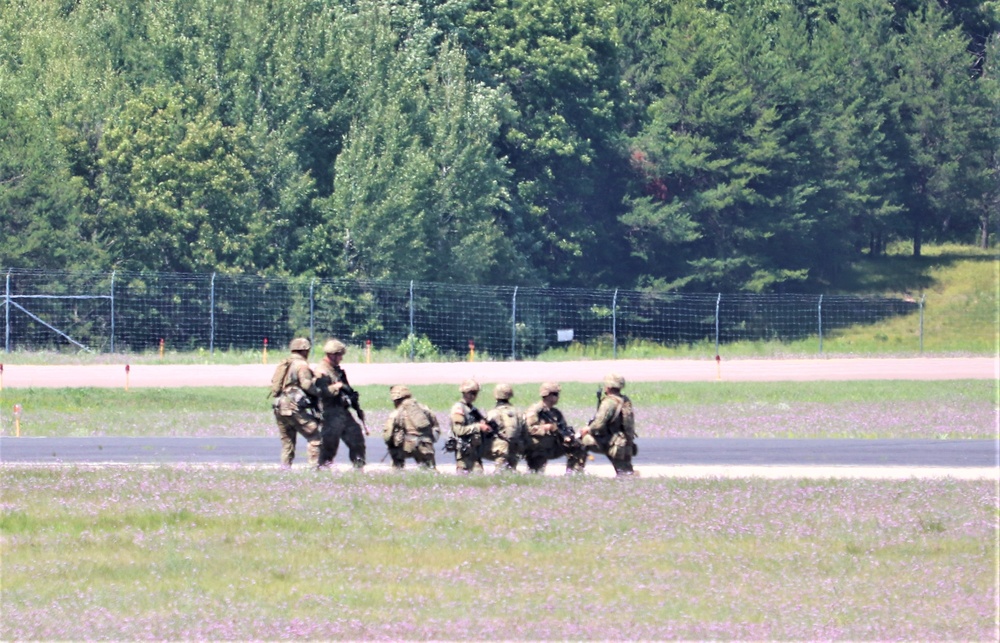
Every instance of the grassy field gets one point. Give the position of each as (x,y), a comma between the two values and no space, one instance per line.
(875,409)
(237,553)
(190,553)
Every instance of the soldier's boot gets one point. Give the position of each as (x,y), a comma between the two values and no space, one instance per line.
(357,455)
(623,467)
(536,464)
(314,448)
(576,461)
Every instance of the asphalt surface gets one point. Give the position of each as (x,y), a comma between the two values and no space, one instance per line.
(978,458)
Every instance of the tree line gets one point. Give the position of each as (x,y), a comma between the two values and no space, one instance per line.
(737,145)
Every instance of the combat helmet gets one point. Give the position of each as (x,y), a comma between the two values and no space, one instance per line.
(399,392)
(300,344)
(614,380)
(549,388)
(469,386)
(333,346)
(503,392)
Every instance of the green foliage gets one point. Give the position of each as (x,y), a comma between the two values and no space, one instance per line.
(419,349)
(757,145)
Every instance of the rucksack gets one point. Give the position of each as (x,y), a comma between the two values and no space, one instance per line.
(279,377)
(417,418)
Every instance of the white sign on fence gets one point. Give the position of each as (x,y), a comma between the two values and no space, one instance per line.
(565,335)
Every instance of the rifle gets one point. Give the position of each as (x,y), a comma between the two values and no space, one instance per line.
(460,446)
(565,431)
(478,416)
(353,399)
(600,395)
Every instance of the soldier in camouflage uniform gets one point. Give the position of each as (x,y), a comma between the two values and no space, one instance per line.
(549,436)
(612,431)
(468,427)
(411,430)
(505,445)
(295,403)
(335,401)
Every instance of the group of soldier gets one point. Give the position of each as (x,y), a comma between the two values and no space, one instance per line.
(315,402)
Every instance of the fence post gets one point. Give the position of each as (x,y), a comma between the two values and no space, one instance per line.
(312,334)
(513,326)
(614,325)
(718,300)
(819,314)
(6,316)
(922,297)
(113,311)
(211,316)
(413,337)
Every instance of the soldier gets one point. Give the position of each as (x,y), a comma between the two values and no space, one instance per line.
(336,396)
(468,427)
(411,430)
(549,437)
(612,431)
(506,443)
(294,392)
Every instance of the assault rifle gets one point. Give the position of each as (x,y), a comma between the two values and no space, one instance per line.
(566,432)
(478,416)
(459,445)
(600,396)
(353,399)
(348,397)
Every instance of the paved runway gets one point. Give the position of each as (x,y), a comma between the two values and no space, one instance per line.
(675,457)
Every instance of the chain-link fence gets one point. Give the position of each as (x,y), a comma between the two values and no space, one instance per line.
(133,312)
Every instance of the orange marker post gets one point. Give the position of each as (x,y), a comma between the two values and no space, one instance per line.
(472,351)
(264,356)
(162,344)
(368,351)
(17,420)
(127,369)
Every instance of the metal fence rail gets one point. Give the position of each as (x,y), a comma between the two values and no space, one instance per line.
(134,312)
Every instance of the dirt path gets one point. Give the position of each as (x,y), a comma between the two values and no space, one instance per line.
(770,370)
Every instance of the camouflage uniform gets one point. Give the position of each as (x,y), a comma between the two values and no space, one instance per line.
(295,406)
(467,429)
(506,444)
(411,430)
(544,445)
(338,423)
(612,431)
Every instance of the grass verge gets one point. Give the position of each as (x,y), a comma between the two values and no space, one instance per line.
(184,554)
(875,409)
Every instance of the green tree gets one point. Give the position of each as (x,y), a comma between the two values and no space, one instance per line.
(419,184)
(944,126)
(175,192)
(713,160)
(40,222)
(557,59)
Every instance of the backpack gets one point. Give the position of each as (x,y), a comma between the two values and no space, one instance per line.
(418,419)
(279,377)
(628,418)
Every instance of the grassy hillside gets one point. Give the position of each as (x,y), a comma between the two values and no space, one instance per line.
(959,286)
